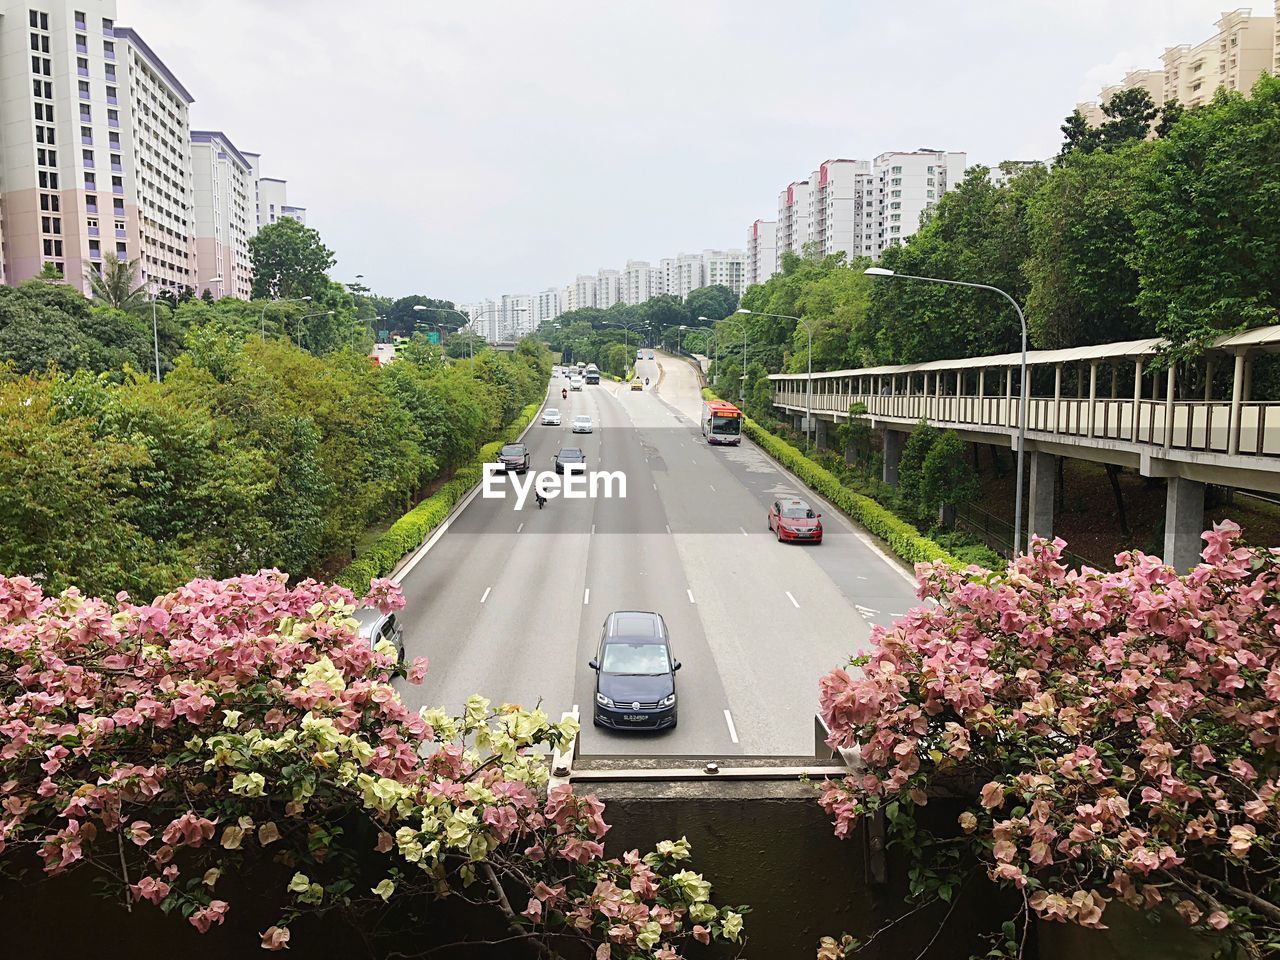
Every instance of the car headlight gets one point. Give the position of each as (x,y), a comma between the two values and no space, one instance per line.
(667,701)
(603,700)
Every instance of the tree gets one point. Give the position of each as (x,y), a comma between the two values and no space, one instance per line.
(947,479)
(44,325)
(1130,114)
(911,463)
(1084,287)
(238,724)
(714,302)
(402,318)
(1077,135)
(1170,113)
(1111,737)
(289,261)
(117,284)
(1208,221)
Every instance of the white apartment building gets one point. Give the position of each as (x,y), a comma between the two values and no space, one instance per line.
(725,267)
(689,274)
(908,184)
(584,292)
(637,282)
(1008,169)
(1242,49)
(762,250)
(1152,81)
(793,219)
(61,126)
(225,218)
(273,199)
(157,132)
(546,306)
(515,317)
(608,288)
(841,207)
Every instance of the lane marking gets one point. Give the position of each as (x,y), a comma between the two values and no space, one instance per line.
(586,597)
(593,528)
(655,486)
(521,527)
(690,593)
(885,557)
(733,731)
(744,530)
(485,596)
(668,528)
(575,708)
(712,486)
(793,600)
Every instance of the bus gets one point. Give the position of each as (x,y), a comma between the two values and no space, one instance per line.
(592,374)
(721,422)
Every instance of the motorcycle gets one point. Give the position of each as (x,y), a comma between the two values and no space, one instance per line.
(646,381)
(564,394)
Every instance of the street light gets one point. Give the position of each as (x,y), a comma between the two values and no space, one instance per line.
(808,392)
(310,316)
(742,395)
(626,329)
(263,319)
(470,341)
(1018,534)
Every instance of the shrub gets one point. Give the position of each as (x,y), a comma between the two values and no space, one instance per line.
(946,477)
(174,747)
(1112,736)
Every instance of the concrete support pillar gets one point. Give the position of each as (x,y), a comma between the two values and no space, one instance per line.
(797,422)
(1183,523)
(893,441)
(1137,399)
(1043,470)
(1237,398)
(821,434)
(1093,395)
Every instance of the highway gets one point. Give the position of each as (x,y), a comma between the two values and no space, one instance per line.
(509,603)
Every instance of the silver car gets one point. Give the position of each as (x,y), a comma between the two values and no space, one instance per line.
(551,417)
(376,626)
(582,423)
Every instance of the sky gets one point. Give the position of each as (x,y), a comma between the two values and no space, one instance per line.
(464,150)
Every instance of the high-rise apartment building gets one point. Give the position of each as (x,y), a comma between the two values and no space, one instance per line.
(225,215)
(272,198)
(637,282)
(608,288)
(156,135)
(1243,48)
(546,306)
(725,267)
(793,219)
(1152,81)
(1008,169)
(762,250)
(908,184)
(689,274)
(63,96)
(841,207)
(584,292)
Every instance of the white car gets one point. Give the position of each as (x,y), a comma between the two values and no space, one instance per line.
(551,417)
(582,423)
(575,383)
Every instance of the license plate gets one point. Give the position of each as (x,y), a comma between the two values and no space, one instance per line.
(634,717)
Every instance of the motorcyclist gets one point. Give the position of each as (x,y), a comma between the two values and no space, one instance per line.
(646,381)
(564,394)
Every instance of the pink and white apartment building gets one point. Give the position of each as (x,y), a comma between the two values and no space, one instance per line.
(793,219)
(842,208)
(225,215)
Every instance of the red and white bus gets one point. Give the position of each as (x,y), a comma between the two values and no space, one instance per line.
(721,422)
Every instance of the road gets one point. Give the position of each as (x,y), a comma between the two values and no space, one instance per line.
(509,603)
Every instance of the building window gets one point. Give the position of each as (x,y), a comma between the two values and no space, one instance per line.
(80,21)
(896,170)
(107,27)
(896,193)
(930,181)
(84,89)
(929,194)
(108,49)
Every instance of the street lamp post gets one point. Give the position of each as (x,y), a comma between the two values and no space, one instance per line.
(262,321)
(1019,537)
(310,316)
(808,391)
(470,341)
(742,394)
(626,329)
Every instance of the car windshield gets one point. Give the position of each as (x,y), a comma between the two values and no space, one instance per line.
(513,450)
(570,454)
(583,419)
(644,658)
(796,511)
(551,412)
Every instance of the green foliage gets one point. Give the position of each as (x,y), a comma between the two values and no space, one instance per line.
(289,261)
(401,318)
(117,284)
(946,477)
(1084,286)
(911,462)
(714,302)
(1130,114)
(1208,221)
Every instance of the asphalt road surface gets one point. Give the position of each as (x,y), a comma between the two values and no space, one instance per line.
(509,603)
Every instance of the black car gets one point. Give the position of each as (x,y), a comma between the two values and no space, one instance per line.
(635,673)
(514,458)
(572,457)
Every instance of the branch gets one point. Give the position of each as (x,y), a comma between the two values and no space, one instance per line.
(505,906)
(929,946)
(1265,907)
(124,870)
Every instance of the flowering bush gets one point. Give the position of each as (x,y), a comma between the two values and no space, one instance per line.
(1114,736)
(165,744)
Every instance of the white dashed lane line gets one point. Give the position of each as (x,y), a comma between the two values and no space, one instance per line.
(485,596)
(519,528)
(586,597)
(690,593)
(733,731)
(794,601)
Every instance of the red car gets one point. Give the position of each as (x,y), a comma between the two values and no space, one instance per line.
(795,520)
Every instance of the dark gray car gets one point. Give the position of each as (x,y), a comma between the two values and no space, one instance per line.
(635,673)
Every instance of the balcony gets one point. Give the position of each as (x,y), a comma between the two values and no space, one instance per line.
(87,141)
(88,163)
(82,48)
(118,188)
(115,124)
(90,185)
(113,100)
(95,254)
(80,25)
(91,207)
(117,168)
(120,234)
(94,231)
(109,54)
(84,94)
(83,71)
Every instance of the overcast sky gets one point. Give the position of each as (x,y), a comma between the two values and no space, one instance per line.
(480,147)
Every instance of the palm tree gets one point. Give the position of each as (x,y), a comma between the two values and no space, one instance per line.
(117,284)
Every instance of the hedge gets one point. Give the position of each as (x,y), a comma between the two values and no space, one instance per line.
(904,539)
(412,530)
